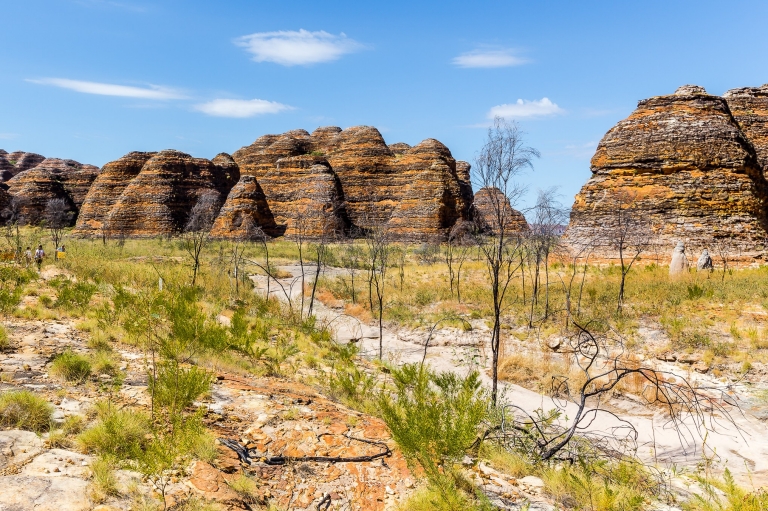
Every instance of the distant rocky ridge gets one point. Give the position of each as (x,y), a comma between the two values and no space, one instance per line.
(331,182)
(693,164)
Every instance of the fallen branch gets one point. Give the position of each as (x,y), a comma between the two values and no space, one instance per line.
(245,454)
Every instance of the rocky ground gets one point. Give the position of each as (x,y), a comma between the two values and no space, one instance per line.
(271,416)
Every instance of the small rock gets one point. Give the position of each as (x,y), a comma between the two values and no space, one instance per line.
(532,481)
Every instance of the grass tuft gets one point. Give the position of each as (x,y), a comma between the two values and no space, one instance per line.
(71,367)
(23,409)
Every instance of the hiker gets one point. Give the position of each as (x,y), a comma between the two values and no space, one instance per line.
(28,256)
(61,252)
(39,254)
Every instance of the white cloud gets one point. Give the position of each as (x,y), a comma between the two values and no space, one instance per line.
(292,48)
(489,58)
(524,108)
(8,136)
(241,107)
(110,89)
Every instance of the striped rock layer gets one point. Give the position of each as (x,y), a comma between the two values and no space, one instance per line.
(51,179)
(344,182)
(692,164)
(152,194)
(16,162)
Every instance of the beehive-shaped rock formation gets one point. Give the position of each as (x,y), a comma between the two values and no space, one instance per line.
(16,162)
(51,179)
(152,194)
(492,209)
(114,178)
(347,181)
(687,166)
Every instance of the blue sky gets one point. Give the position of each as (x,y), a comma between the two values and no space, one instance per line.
(94,79)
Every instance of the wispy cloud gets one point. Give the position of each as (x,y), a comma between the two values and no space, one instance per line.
(297,48)
(109,89)
(489,58)
(8,136)
(241,107)
(524,108)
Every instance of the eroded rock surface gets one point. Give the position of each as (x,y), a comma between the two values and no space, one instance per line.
(687,166)
(156,200)
(492,209)
(51,179)
(16,162)
(349,181)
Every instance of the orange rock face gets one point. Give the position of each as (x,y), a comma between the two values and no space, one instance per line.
(51,179)
(346,181)
(157,199)
(689,167)
(333,182)
(114,178)
(492,207)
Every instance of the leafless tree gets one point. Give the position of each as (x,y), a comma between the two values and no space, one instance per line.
(198,227)
(248,231)
(501,159)
(457,249)
(603,367)
(578,253)
(723,250)
(321,253)
(351,260)
(378,252)
(14,217)
(543,238)
(301,233)
(628,234)
(57,216)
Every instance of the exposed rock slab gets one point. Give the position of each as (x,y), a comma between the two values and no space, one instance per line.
(687,167)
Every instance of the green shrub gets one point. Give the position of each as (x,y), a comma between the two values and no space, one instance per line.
(23,409)
(725,495)
(104,362)
(245,487)
(177,387)
(104,482)
(9,300)
(435,418)
(424,297)
(601,485)
(5,342)
(71,366)
(352,386)
(118,433)
(75,295)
